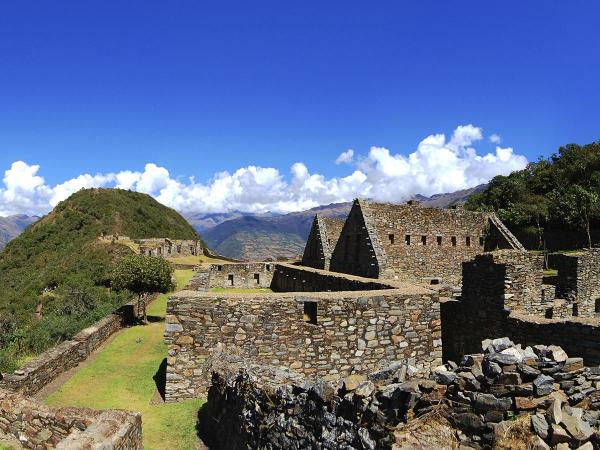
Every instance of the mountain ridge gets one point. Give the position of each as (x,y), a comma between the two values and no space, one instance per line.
(283,236)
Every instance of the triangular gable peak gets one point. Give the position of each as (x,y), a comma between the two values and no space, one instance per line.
(321,241)
(410,242)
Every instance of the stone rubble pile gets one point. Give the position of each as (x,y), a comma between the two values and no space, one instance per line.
(476,402)
(484,391)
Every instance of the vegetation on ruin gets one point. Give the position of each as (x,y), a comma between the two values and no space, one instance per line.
(554,203)
(58,268)
(122,376)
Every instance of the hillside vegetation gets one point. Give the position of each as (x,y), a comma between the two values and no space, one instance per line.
(553,203)
(58,266)
(12,226)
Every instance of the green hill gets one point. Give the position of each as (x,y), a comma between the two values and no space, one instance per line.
(554,203)
(60,264)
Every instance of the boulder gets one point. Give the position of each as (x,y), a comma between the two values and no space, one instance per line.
(543,385)
(488,402)
(575,425)
(558,435)
(557,353)
(554,413)
(540,425)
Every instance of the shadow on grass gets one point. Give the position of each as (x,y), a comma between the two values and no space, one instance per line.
(204,430)
(160,378)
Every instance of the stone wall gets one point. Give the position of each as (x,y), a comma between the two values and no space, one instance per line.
(322,239)
(169,248)
(502,296)
(579,280)
(329,334)
(241,275)
(40,371)
(412,243)
(36,425)
(290,278)
(506,396)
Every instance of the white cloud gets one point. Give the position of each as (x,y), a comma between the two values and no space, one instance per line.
(345,157)
(437,165)
(495,139)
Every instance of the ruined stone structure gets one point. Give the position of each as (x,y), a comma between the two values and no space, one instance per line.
(330,334)
(240,275)
(579,281)
(169,248)
(40,371)
(503,295)
(472,403)
(381,240)
(37,426)
(324,235)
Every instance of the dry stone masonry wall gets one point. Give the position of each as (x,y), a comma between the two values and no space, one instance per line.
(37,373)
(329,334)
(502,294)
(537,396)
(38,426)
(240,275)
(412,243)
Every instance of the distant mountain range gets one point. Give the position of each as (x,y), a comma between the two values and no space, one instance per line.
(271,236)
(255,236)
(12,226)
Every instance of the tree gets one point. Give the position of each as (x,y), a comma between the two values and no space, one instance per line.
(142,275)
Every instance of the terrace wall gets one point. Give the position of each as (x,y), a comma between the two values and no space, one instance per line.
(36,374)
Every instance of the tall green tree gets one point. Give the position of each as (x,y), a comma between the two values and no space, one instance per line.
(142,275)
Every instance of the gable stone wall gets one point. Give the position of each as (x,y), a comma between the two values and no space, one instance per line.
(408,242)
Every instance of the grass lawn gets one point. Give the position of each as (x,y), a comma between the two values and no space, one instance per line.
(242,290)
(195,259)
(122,377)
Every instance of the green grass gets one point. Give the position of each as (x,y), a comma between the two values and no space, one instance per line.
(4,447)
(121,377)
(242,290)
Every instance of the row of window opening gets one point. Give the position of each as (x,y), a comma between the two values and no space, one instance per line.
(408,240)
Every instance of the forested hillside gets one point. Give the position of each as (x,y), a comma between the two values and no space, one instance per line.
(554,203)
(12,226)
(60,269)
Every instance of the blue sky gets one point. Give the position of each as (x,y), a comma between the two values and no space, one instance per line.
(201,87)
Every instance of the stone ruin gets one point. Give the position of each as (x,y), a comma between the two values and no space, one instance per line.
(165,247)
(531,398)
(384,353)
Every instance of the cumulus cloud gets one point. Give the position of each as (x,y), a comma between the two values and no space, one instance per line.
(345,157)
(495,139)
(438,164)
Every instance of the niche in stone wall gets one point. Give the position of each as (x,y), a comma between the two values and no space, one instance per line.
(453,241)
(597,306)
(257,278)
(310,312)
(230,279)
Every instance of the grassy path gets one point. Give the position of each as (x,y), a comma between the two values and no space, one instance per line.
(122,377)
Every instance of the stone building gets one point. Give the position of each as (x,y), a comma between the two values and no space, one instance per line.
(169,248)
(503,294)
(381,240)
(579,281)
(335,326)
(323,237)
